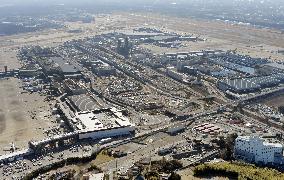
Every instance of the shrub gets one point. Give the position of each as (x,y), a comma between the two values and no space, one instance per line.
(237,170)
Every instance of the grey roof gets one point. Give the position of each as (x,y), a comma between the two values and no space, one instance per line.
(279,76)
(83,102)
(162,38)
(65,66)
(223,73)
(136,33)
(275,65)
(254,82)
(234,66)
(241,84)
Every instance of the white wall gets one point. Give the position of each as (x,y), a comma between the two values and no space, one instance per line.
(255,146)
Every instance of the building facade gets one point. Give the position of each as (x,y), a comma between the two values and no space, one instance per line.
(257,150)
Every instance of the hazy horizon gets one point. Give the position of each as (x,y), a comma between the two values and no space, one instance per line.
(18,2)
(265,13)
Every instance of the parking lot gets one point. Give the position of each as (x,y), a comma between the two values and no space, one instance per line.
(18,169)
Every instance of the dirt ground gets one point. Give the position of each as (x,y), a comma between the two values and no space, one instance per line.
(187,174)
(17,108)
(16,111)
(8,57)
(218,35)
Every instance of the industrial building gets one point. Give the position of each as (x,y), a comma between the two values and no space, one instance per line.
(237,85)
(233,66)
(139,34)
(251,84)
(86,116)
(188,38)
(73,88)
(207,128)
(102,69)
(52,143)
(242,60)
(190,70)
(172,72)
(255,149)
(223,73)
(15,155)
(157,39)
(83,102)
(67,68)
(274,67)
(59,66)
(103,123)
(182,62)
(29,72)
(176,129)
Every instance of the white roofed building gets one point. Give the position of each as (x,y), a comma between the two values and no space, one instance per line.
(255,149)
(102,123)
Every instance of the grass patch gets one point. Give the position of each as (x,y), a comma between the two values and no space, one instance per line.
(237,170)
(101,158)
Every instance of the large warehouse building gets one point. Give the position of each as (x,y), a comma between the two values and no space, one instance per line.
(246,85)
(97,123)
(103,123)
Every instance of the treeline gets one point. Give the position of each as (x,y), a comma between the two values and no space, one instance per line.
(10,29)
(239,171)
(227,146)
(60,164)
(167,166)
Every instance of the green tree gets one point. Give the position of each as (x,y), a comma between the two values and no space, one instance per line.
(174,176)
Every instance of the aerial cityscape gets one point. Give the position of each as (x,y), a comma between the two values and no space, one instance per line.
(155,90)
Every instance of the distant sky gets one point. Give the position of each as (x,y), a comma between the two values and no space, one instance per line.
(137,2)
(3,2)
(133,1)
